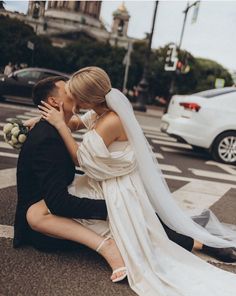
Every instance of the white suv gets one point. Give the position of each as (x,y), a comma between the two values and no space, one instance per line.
(206,119)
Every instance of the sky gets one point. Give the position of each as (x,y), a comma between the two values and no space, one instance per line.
(213,36)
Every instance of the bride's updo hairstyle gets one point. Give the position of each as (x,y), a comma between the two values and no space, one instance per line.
(89,85)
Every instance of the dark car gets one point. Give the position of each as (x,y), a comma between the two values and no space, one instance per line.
(18,85)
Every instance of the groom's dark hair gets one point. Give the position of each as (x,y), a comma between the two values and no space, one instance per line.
(45,88)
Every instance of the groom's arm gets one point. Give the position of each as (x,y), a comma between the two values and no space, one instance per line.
(49,166)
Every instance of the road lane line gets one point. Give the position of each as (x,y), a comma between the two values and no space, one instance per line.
(170,168)
(158,155)
(6,231)
(5,145)
(180,145)
(187,179)
(160,138)
(226,167)
(8,178)
(214,175)
(11,155)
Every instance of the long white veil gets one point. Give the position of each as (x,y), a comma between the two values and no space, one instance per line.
(214,234)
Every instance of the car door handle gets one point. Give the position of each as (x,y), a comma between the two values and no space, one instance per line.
(31,82)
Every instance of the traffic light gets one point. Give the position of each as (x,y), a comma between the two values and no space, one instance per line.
(171,58)
(182,68)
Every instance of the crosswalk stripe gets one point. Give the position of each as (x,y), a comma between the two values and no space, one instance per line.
(159,155)
(5,145)
(161,138)
(181,145)
(213,175)
(6,231)
(23,117)
(17,107)
(169,168)
(7,177)
(11,155)
(226,167)
(150,128)
(189,179)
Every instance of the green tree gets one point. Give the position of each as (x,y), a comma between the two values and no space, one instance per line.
(207,71)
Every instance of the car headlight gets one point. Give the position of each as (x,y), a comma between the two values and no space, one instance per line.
(2,79)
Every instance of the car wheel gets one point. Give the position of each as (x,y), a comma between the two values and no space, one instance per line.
(224,148)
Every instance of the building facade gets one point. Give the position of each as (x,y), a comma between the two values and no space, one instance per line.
(65,21)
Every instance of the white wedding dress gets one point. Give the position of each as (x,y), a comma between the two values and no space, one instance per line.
(156,266)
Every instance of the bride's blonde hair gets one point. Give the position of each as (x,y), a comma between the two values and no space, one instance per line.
(89,85)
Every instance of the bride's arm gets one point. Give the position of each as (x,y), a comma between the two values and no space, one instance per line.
(56,118)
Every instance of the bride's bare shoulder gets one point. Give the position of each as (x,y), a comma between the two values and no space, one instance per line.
(110,128)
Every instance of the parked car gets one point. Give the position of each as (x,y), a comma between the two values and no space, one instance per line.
(19,84)
(206,119)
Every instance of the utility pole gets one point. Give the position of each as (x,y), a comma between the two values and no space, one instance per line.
(143,86)
(126,62)
(185,19)
(188,7)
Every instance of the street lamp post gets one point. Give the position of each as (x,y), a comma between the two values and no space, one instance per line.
(172,84)
(143,85)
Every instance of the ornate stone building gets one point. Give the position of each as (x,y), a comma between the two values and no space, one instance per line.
(65,21)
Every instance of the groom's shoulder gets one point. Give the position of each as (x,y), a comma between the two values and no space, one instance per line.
(44,130)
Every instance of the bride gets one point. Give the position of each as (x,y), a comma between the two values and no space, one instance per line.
(120,167)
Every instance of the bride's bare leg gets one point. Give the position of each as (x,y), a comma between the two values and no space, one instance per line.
(197,245)
(42,221)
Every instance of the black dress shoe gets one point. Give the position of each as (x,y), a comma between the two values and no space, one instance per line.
(223,254)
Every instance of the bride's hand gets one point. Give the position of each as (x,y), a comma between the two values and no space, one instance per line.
(52,115)
(30,123)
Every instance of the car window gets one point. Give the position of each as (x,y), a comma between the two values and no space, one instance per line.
(215,92)
(34,75)
(47,74)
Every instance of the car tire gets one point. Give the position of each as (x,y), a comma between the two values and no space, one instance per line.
(224,148)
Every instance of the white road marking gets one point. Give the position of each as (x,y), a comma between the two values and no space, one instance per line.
(181,145)
(6,231)
(198,195)
(23,117)
(5,145)
(8,178)
(11,155)
(150,128)
(158,155)
(161,137)
(16,107)
(178,151)
(170,168)
(210,174)
(187,179)
(226,167)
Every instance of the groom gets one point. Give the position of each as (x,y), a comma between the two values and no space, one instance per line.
(45,170)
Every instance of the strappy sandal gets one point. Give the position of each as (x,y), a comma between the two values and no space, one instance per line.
(123,269)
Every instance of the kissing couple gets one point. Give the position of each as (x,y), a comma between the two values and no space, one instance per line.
(121,206)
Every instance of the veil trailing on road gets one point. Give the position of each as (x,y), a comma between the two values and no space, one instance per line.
(214,233)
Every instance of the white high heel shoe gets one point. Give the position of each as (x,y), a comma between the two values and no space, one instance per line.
(124,269)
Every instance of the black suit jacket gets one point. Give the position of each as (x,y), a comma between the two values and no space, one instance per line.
(44,171)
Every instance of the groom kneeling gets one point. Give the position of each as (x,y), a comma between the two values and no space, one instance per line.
(45,170)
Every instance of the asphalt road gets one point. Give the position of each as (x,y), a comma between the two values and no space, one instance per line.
(196,181)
